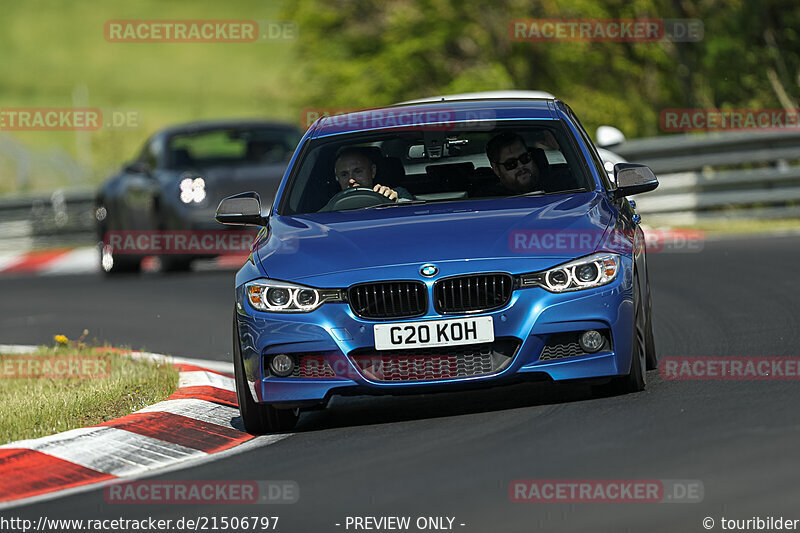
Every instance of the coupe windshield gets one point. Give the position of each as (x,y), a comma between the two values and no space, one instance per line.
(231,147)
(360,171)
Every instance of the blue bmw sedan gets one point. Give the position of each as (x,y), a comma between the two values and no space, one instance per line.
(440,246)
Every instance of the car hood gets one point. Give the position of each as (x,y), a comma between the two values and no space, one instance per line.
(224,181)
(402,238)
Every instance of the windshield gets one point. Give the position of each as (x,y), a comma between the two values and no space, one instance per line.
(362,171)
(231,147)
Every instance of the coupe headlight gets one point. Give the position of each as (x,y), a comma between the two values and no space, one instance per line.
(193,190)
(282,297)
(584,273)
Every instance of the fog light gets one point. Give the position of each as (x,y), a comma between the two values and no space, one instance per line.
(282,365)
(591,341)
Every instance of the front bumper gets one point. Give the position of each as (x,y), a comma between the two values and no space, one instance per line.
(533,316)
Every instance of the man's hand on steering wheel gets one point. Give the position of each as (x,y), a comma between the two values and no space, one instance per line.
(388,192)
(391,194)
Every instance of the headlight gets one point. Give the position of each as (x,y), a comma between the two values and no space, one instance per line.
(193,190)
(584,273)
(282,297)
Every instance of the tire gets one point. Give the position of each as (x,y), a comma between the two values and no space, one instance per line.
(651,355)
(171,263)
(636,379)
(257,418)
(111,264)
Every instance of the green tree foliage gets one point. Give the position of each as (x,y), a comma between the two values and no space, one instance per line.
(368,53)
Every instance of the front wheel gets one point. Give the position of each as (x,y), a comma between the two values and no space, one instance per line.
(112,264)
(175,263)
(650,342)
(258,418)
(636,379)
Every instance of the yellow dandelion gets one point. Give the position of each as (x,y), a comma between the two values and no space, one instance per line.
(61,339)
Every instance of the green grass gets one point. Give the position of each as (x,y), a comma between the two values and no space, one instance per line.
(52,50)
(35,407)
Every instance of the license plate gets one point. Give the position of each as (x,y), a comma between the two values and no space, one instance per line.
(434,333)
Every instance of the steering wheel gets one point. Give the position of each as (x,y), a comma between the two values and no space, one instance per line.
(355,198)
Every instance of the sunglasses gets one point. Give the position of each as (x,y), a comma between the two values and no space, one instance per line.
(511,163)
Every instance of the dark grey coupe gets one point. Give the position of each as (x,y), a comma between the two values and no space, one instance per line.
(173,187)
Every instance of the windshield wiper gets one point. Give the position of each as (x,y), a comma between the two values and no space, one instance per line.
(396,204)
(542,193)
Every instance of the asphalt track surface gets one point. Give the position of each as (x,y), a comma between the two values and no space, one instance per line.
(455,454)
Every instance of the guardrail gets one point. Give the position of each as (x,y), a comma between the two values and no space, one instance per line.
(61,218)
(730,175)
(739,175)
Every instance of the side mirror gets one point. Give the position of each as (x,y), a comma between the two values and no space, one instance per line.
(608,136)
(633,179)
(138,167)
(242,209)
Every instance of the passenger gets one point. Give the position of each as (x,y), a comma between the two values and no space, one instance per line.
(521,169)
(512,162)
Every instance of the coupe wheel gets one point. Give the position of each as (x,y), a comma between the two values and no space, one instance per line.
(112,264)
(175,263)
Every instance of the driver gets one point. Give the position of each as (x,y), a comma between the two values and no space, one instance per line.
(355,169)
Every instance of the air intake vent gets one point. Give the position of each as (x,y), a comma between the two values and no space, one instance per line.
(430,364)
